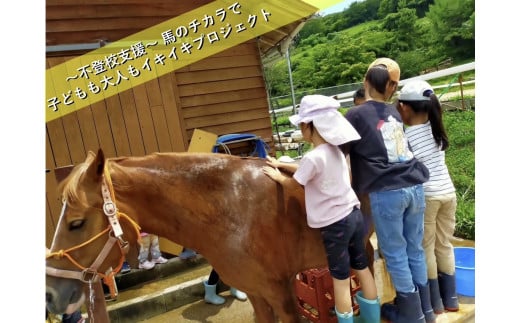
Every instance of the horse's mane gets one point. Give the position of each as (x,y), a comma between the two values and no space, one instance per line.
(68,188)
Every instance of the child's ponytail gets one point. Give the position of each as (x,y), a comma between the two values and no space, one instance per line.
(435,116)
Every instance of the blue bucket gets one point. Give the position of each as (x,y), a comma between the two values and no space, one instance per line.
(465,270)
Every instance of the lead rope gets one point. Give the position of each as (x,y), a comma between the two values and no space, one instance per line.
(91,299)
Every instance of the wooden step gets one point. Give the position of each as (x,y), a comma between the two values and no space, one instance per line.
(147,293)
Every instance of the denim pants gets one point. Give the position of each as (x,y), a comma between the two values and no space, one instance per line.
(149,245)
(399,224)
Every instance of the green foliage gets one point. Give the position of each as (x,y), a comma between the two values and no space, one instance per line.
(358,13)
(277,75)
(313,27)
(387,7)
(453,27)
(460,158)
(328,53)
(402,24)
(347,65)
(311,41)
(415,61)
(421,6)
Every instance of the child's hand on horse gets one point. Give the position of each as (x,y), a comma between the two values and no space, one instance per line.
(273,162)
(274,173)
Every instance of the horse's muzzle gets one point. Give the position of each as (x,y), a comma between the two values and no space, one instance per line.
(60,305)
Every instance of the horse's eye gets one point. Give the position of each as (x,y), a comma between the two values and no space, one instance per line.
(76,224)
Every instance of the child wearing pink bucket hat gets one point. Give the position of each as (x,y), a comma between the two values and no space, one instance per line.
(330,202)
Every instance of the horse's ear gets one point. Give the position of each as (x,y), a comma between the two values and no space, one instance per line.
(97,164)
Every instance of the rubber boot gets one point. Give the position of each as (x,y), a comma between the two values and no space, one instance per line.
(426,303)
(187,254)
(435,296)
(369,309)
(210,295)
(345,317)
(241,296)
(406,308)
(448,292)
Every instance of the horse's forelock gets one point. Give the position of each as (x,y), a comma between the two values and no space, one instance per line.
(69,187)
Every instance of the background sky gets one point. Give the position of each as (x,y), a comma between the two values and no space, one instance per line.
(339,7)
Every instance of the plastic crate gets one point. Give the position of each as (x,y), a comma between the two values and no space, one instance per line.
(315,295)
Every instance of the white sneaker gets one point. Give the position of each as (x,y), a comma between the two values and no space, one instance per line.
(146,265)
(160,260)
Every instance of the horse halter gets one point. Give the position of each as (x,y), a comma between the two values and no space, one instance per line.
(90,274)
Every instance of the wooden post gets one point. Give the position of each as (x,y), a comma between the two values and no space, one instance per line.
(461,92)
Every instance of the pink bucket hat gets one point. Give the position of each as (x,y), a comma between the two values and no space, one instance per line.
(323,112)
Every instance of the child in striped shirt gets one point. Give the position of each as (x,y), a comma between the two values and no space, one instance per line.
(422,113)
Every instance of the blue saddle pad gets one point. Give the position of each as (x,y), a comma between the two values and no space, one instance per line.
(261,147)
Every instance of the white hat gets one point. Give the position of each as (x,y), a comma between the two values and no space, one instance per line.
(417,90)
(323,112)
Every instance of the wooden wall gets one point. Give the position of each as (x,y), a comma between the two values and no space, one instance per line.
(81,21)
(222,94)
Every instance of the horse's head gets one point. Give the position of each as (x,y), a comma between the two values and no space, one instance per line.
(88,243)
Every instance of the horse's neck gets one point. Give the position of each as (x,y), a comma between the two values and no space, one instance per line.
(164,195)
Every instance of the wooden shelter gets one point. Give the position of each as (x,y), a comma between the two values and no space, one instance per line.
(222,94)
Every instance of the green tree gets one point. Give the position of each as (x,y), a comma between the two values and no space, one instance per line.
(358,13)
(309,42)
(305,65)
(277,77)
(420,6)
(387,7)
(326,57)
(402,24)
(342,61)
(313,26)
(413,62)
(453,27)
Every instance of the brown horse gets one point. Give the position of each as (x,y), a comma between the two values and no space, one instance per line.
(252,230)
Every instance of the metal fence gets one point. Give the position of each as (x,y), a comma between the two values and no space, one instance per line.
(281,107)
(285,102)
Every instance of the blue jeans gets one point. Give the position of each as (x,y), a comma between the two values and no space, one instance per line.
(399,223)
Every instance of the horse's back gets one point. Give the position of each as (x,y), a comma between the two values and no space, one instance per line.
(271,232)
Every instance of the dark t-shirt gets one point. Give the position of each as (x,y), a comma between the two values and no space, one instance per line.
(381,160)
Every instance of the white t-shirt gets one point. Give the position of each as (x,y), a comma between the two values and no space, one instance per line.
(323,171)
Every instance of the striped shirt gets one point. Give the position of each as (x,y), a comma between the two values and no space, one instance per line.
(426,151)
